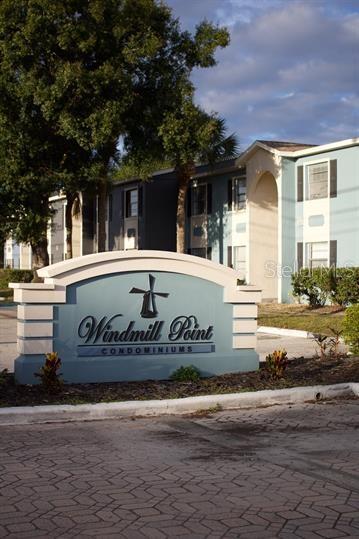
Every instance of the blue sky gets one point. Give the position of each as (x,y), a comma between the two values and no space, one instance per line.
(291,71)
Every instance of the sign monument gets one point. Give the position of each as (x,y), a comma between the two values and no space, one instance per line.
(135,315)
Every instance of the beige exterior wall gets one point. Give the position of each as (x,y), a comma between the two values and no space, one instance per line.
(25,256)
(262,193)
(76,235)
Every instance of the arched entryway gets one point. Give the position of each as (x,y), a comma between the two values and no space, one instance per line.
(263,235)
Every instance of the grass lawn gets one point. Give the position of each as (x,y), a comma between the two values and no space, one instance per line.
(320,320)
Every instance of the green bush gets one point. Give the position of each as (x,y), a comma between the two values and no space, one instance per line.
(320,285)
(351,328)
(346,290)
(306,284)
(7,293)
(9,275)
(190,373)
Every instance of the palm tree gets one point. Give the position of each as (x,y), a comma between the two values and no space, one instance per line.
(191,136)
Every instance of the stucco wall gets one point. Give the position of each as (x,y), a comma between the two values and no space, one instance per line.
(341,213)
(263,236)
(287,264)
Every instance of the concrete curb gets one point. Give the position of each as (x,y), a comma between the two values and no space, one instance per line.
(285,332)
(33,415)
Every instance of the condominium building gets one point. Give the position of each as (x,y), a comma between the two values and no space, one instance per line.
(279,206)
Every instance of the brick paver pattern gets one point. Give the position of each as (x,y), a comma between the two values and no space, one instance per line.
(287,472)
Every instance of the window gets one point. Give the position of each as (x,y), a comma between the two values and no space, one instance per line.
(317,181)
(237,188)
(239,193)
(132,203)
(317,254)
(199,199)
(239,260)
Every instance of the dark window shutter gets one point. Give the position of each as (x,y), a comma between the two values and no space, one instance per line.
(333,178)
(140,200)
(209,198)
(189,202)
(300,184)
(229,256)
(300,255)
(230,195)
(333,253)
(209,253)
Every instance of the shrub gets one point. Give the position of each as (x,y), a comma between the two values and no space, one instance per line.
(337,285)
(346,289)
(351,328)
(323,342)
(8,275)
(305,284)
(8,293)
(190,373)
(276,363)
(334,343)
(49,375)
(3,375)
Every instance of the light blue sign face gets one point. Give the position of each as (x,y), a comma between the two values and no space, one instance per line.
(142,325)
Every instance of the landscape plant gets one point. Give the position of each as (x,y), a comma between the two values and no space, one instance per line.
(351,328)
(318,286)
(49,373)
(305,284)
(334,343)
(3,375)
(9,275)
(323,343)
(276,363)
(188,373)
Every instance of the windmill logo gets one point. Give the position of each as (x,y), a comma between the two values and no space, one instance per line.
(149,309)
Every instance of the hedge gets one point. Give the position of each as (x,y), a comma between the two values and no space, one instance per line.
(351,328)
(14,276)
(339,286)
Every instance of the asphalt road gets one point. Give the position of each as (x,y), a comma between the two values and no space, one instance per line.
(284,471)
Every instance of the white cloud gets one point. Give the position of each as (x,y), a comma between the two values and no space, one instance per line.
(290,69)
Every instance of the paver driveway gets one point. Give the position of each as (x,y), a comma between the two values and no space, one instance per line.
(273,472)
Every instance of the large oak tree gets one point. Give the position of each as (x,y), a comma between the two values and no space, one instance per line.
(79,76)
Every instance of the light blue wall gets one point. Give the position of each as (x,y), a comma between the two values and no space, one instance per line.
(219,220)
(288,225)
(108,296)
(344,208)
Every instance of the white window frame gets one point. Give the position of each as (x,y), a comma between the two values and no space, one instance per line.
(127,192)
(240,265)
(307,165)
(236,205)
(309,255)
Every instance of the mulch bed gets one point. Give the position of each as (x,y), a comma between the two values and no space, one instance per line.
(300,372)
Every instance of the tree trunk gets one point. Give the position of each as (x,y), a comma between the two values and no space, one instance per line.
(40,256)
(68,223)
(102,215)
(184,173)
(106,154)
